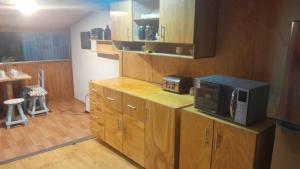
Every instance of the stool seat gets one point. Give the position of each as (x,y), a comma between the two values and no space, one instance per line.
(14,101)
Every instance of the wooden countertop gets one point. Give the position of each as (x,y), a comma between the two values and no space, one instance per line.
(147,91)
(255,129)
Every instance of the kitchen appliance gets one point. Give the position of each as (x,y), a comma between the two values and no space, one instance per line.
(237,100)
(85,38)
(142,33)
(286,153)
(107,33)
(177,84)
(97,33)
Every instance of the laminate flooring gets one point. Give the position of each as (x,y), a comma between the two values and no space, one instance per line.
(67,122)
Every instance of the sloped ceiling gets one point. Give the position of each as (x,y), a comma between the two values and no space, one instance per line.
(54,14)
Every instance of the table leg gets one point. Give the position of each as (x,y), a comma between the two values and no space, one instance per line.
(9,90)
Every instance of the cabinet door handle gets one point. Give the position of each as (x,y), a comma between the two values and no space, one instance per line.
(205,136)
(110,98)
(164,33)
(128,37)
(216,146)
(119,125)
(130,106)
(146,114)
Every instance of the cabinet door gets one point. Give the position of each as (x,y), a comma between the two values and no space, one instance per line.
(113,128)
(134,129)
(196,136)
(177,21)
(121,20)
(233,148)
(134,139)
(159,137)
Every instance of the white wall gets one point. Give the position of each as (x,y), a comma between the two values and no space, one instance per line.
(86,64)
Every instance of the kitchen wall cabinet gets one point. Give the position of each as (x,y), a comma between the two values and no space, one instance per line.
(177,20)
(121,20)
(211,143)
(196,140)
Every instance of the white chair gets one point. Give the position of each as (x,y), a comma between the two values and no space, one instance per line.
(36,94)
(9,117)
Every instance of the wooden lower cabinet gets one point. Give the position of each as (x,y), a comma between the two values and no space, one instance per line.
(196,141)
(233,148)
(210,143)
(134,139)
(113,128)
(159,137)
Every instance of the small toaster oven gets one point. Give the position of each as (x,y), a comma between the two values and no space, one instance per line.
(177,84)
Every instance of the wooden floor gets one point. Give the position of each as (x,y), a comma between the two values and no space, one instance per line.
(86,155)
(66,122)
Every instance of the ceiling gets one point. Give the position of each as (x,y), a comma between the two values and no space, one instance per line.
(53,14)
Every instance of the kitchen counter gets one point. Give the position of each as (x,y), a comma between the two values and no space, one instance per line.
(147,91)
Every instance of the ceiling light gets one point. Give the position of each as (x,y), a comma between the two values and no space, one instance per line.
(27,7)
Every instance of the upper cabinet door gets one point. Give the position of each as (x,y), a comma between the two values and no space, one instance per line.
(177,19)
(196,137)
(233,148)
(121,20)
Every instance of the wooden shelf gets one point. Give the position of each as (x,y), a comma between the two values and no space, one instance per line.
(160,54)
(103,41)
(147,20)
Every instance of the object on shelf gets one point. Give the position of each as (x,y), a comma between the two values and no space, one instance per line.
(150,34)
(177,84)
(107,33)
(142,32)
(97,33)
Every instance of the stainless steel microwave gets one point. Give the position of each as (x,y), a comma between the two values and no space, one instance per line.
(238,100)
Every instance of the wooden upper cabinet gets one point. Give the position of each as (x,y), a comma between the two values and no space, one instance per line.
(159,137)
(196,140)
(233,148)
(121,20)
(177,19)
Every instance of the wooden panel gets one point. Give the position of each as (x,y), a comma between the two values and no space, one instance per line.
(159,137)
(181,29)
(137,66)
(233,148)
(112,99)
(121,20)
(134,139)
(58,77)
(97,129)
(134,107)
(107,49)
(196,138)
(113,129)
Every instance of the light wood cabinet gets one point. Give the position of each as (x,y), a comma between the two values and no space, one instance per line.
(96,110)
(121,20)
(113,128)
(177,19)
(159,137)
(233,148)
(134,128)
(211,143)
(196,140)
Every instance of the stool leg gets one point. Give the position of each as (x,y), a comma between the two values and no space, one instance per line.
(23,117)
(9,115)
(33,106)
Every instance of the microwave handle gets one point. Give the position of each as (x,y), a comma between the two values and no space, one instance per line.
(233,102)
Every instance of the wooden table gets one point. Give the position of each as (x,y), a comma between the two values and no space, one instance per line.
(9,80)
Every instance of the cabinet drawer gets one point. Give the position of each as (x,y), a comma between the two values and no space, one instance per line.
(112,99)
(95,91)
(97,129)
(134,107)
(99,118)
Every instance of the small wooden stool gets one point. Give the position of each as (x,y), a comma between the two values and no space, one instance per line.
(9,117)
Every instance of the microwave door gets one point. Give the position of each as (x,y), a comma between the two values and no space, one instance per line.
(289,104)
